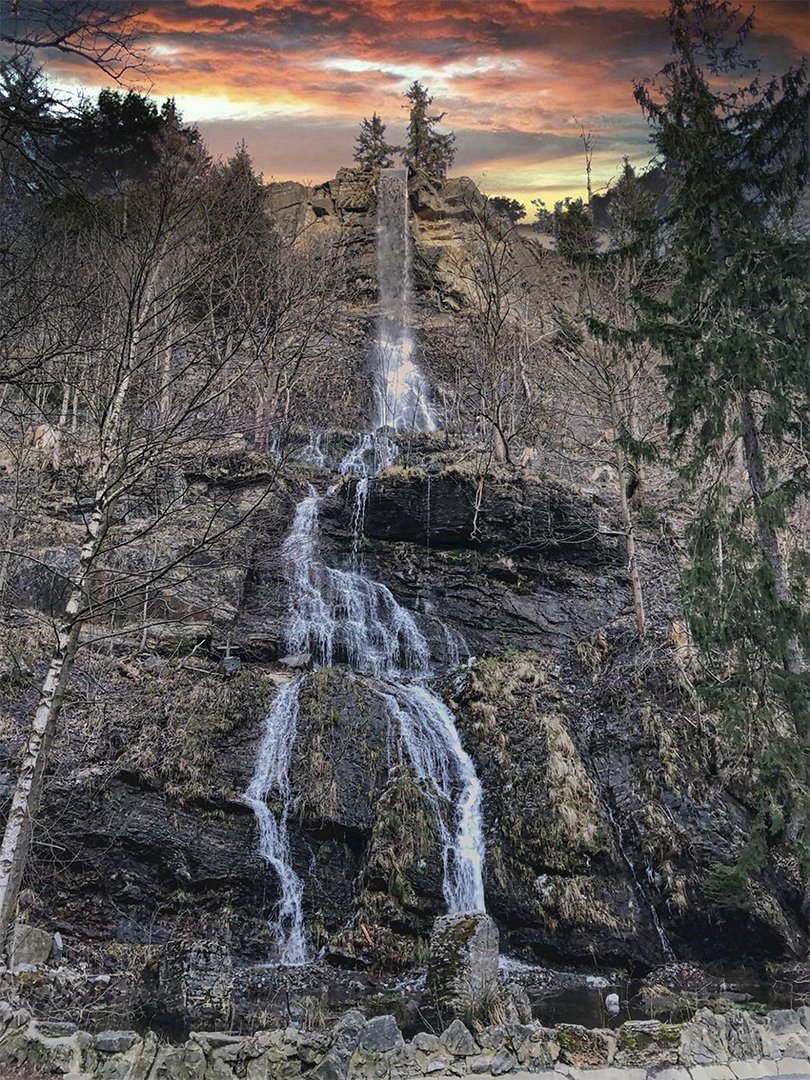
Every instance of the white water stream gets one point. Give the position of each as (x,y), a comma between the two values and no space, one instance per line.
(339,616)
(402,397)
(271,773)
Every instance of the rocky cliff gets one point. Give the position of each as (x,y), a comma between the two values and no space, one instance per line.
(608,814)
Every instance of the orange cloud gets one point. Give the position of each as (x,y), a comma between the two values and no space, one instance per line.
(511,75)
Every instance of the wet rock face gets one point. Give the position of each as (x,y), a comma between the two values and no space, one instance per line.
(507,513)
(602,806)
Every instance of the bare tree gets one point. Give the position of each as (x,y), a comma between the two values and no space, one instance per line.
(493,348)
(100,32)
(601,357)
(127,336)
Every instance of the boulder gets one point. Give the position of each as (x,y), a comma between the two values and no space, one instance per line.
(115,1042)
(583,1047)
(380,1034)
(703,1041)
(463,962)
(743,1036)
(503,1062)
(29,945)
(459,1041)
(196,981)
(642,1042)
(335,1063)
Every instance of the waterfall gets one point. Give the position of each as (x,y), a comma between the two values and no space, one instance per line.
(402,399)
(430,737)
(313,453)
(342,616)
(270,774)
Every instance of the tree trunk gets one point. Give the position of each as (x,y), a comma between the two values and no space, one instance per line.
(25,803)
(627,522)
(56,457)
(501,448)
(632,560)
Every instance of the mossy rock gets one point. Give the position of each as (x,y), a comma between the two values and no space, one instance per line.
(584,1047)
(645,1041)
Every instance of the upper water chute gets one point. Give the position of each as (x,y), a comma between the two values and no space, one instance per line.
(401,392)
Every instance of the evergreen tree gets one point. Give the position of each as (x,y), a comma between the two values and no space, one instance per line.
(119,138)
(733,333)
(571,225)
(27,126)
(371,148)
(427,148)
(509,208)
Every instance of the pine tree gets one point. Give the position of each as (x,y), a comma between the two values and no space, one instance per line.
(427,148)
(733,332)
(371,148)
(508,208)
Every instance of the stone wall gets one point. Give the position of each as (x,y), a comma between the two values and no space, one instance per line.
(732,1046)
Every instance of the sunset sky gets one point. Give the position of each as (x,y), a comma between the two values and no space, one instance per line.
(293,78)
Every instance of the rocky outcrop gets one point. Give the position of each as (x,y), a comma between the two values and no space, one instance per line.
(610,825)
(355,1048)
(605,817)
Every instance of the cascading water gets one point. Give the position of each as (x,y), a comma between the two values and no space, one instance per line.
(402,398)
(430,737)
(271,774)
(342,616)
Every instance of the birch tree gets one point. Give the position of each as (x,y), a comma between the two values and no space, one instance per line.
(135,342)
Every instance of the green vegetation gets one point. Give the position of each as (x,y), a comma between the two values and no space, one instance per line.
(371,148)
(733,333)
(426,148)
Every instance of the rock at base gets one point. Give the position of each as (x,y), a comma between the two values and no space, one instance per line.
(463,964)
(28,945)
(196,980)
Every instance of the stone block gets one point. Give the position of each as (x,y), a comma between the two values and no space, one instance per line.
(703,1040)
(584,1047)
(463,962)
(29,945)
(426,1042)
(503,1062)
(790,1066)
(711,1072)
(642,1042)
(459,1041)
(751,1070)
(196,980)
(743,1036)
(115,1042)
(439,1061)
(796,1045)
(479,1064)
(784,1022)
(381,1034)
